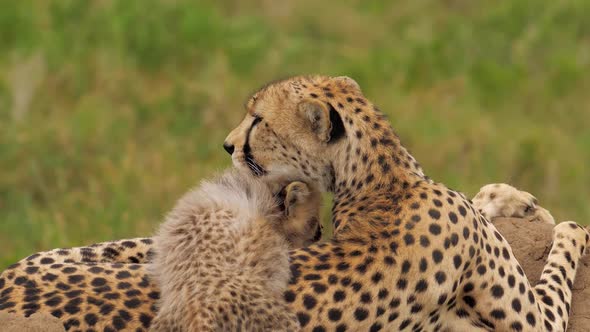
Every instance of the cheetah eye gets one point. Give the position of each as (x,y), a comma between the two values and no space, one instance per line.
(257,119)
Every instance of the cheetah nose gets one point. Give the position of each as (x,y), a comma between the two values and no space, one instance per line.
(229,148)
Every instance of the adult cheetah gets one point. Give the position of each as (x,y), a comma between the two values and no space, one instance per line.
(407,253)
(222,255)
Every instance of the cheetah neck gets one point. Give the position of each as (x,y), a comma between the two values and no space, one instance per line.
(373,172)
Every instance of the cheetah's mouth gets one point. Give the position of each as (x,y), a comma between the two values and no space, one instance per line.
(255,167)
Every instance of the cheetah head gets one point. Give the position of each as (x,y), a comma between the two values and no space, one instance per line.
(293,127)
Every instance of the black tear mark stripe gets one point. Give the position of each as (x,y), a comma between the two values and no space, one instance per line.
(252,164)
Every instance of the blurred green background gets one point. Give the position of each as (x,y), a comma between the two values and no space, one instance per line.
(111,109)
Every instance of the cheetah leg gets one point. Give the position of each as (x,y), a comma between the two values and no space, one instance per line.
(137,250)
(554,290)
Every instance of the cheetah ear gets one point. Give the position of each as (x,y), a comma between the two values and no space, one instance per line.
(347,81)
(324,120)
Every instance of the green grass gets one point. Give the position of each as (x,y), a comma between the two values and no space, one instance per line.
(111,109)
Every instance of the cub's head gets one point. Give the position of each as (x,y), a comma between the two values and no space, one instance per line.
(294,127)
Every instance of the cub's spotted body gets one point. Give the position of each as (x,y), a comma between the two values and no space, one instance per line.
(407,254)
(222,255)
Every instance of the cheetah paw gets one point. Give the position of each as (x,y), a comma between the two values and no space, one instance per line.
(502,200)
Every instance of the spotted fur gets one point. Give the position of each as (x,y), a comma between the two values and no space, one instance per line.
(408,254)
(222,255)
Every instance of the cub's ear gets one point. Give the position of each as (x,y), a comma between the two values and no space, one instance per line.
(296,193)
(323,119)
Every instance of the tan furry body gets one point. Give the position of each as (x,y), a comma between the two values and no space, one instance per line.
(221,257)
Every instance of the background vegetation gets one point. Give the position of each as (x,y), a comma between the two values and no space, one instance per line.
(111,109)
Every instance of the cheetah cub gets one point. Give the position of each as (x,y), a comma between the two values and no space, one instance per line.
(221,256)
(503,200)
